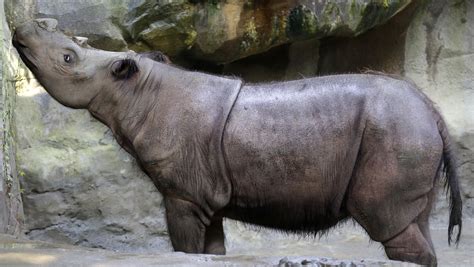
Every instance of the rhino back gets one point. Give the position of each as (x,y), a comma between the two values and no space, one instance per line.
(292,147)
(295,144)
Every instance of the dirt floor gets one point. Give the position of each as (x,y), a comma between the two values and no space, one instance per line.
(348,242)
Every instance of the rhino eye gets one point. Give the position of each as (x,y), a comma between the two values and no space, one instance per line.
(67,58)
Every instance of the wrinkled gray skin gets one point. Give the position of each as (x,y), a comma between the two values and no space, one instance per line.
(298,156)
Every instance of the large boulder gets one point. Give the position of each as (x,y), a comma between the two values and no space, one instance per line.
(94,19)
(216,31)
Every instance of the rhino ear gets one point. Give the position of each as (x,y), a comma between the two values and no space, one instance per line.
(124,68)
(82,41)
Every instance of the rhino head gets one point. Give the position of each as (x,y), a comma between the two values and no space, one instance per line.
(68,68)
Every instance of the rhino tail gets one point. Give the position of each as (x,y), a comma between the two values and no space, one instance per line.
(451,182)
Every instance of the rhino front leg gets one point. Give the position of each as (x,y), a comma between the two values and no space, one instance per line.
(215,237)
(186,225)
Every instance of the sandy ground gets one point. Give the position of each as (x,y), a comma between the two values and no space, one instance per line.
(347,242)
(351,242)
(14,252)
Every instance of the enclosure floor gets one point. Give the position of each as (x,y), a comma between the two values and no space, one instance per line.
(347,242)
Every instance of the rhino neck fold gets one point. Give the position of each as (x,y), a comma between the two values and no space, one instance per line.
(173,114)
(124,106)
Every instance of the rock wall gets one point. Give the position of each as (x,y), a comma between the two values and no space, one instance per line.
(439,57)
(81,188)
(214,31)
(11,210)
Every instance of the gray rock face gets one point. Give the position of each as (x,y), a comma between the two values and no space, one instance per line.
(439,57)
(94,19)
(11,210)
(216,31)
(81,188)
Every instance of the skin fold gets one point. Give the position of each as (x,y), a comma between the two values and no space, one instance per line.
(299,156)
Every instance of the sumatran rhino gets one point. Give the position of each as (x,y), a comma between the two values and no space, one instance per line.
(299,156)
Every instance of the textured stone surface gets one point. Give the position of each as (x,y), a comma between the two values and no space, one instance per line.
(217,31)
(80,187)
(439,57)
(11,213)
(94,19)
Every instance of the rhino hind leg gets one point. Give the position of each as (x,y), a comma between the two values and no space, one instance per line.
(423,219)
(214,242)
(410,245)
(391,196)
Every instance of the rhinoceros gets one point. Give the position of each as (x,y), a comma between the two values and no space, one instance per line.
(299,156)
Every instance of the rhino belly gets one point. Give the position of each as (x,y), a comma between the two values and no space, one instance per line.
(291,158)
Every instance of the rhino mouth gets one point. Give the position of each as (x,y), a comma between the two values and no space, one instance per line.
(24,53)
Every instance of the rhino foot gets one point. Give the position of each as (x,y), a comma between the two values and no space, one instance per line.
(410,245)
